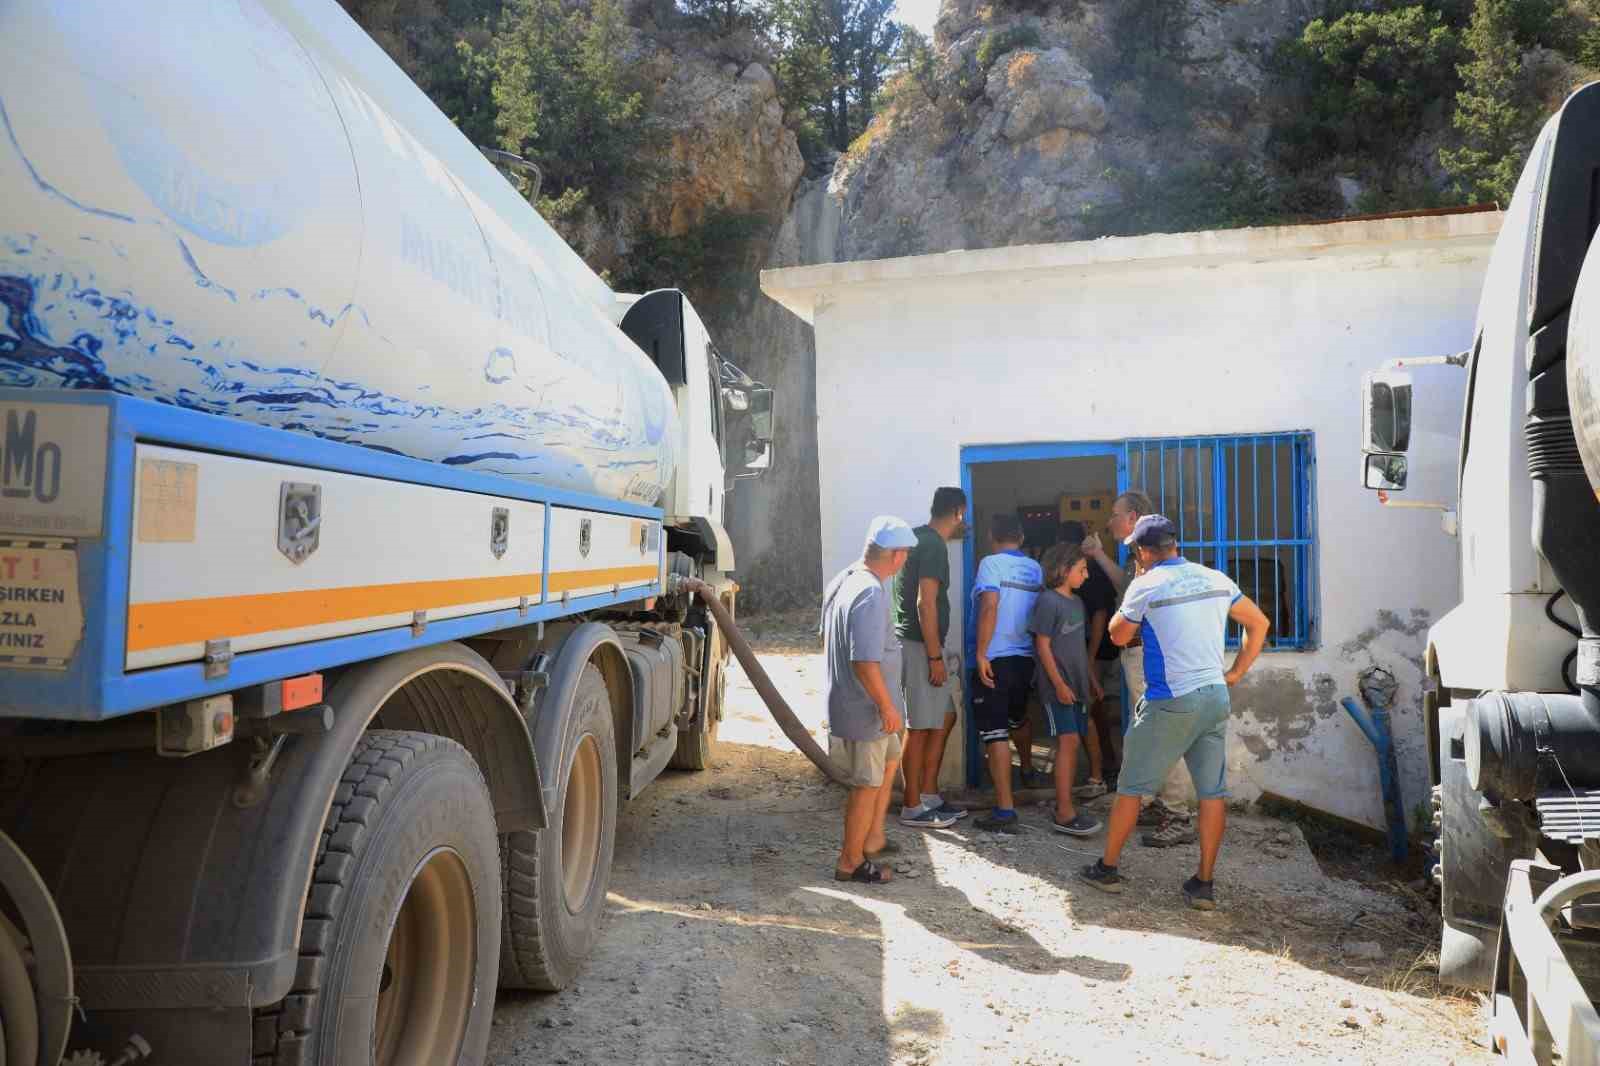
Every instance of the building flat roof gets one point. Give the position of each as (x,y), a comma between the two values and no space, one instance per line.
(797,288)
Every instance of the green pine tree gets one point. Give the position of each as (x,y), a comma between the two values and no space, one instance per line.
(1492,118)
(569,99)
(833,56)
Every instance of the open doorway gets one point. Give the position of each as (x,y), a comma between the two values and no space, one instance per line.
(1244,504)
(1043,493)
(1053,485)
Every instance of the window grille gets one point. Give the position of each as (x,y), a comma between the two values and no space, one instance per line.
(1244,505)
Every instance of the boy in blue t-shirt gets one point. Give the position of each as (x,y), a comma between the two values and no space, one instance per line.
(1004,590)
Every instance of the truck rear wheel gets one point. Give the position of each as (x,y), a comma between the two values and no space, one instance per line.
(400,940)
(556,879)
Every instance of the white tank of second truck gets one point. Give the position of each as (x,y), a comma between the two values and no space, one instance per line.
(243,207)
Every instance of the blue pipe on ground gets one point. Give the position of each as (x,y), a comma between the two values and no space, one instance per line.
(1377,730)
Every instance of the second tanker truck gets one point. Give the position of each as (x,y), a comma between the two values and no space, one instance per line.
(348,528)
(1513,706)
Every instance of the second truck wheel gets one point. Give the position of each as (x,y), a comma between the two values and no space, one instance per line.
(556,879)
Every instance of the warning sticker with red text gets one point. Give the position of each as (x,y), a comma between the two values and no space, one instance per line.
(41,616)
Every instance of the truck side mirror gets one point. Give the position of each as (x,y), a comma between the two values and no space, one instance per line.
(1385,411)
(761,415)
(1384,472)
(758,456)
(759,452)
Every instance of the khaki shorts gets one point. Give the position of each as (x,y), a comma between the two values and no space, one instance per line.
(864,761)
(1133,671)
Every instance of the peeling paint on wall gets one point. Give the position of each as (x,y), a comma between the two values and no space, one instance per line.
(1284,708)
(1388,622)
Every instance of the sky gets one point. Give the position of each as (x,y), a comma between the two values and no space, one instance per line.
(918,13)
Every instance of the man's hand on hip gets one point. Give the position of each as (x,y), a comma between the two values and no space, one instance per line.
(937,675)
(985,672)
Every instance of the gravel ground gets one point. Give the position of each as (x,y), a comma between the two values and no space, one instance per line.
(727,940)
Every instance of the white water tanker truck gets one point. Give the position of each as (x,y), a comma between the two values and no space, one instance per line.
(1513,702)
(360,550)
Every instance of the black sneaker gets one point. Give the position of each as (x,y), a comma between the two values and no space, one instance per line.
(996,824)
(1199,894)
(1101,876)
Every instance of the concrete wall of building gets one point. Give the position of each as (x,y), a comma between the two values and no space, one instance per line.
(1250,332)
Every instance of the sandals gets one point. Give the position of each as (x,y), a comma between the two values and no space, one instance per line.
(868,873)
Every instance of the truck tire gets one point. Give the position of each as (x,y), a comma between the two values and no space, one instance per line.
(404,910)
(698,743)
(556,879)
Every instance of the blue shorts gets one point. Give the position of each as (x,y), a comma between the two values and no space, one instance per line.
(1065,719)
(1192,727)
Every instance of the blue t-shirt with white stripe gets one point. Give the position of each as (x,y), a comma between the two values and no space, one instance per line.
(1181,609)
(1018,580)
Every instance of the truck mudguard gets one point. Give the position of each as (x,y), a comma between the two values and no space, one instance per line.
(590,642)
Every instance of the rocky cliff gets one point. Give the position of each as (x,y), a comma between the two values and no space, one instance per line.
(720,150)
(1032,124)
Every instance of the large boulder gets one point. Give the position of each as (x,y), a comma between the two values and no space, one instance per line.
(726,147)
(1036,92)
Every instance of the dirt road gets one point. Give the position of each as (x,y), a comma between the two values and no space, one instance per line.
(728,941)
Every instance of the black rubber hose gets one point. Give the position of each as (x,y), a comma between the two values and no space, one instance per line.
(777,706)
(1572,656)
(1550,613)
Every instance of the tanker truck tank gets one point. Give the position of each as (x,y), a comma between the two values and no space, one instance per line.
(247,209)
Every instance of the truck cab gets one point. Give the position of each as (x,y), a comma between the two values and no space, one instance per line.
(725,418)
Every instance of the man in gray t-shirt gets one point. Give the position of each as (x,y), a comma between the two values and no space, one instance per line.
(855,629)
(863,720)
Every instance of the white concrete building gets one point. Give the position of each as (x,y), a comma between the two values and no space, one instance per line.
(1220,373)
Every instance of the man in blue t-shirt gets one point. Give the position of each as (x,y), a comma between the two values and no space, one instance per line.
(1004,591)
(1180,611)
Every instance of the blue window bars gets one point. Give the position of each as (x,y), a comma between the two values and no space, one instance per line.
(1245,505)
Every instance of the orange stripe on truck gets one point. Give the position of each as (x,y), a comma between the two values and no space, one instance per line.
(175,622)
(567,580)
(163,625)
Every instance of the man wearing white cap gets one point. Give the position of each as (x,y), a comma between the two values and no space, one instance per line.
(863,720)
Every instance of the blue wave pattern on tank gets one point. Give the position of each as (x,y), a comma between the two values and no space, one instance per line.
(62,331)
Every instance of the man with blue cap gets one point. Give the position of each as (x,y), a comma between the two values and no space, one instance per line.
(863,719)
(1180,610)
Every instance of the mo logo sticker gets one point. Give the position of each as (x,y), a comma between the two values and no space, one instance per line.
(29,468)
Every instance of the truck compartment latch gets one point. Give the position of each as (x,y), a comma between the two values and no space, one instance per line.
(499,531)
(218,658)
(299,519)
